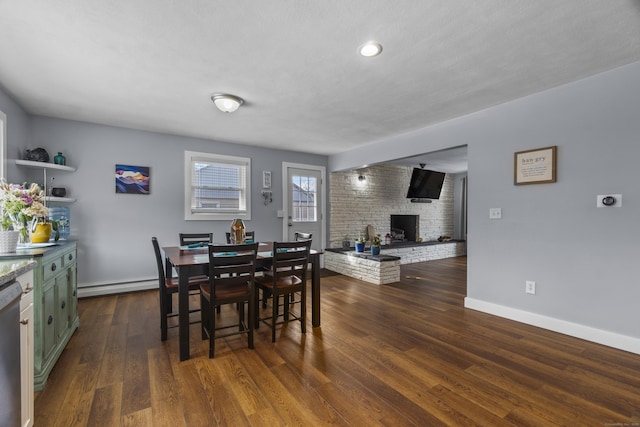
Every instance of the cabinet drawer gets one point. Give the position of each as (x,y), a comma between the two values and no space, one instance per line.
(69,258)
(52,267)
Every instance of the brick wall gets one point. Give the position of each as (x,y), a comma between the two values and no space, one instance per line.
(380,273)
(355,204)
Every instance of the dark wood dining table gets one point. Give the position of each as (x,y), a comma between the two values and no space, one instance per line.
(189,261)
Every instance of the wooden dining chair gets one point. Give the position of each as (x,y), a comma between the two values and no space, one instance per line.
(167,287)
(231,280)
(288,275)
(249,236)
(202,239)
(195,238)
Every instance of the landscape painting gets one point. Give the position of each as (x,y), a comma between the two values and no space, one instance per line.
(132,179)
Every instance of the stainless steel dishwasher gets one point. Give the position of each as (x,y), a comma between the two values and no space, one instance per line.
(10,354)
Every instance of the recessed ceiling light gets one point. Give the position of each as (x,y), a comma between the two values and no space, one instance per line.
(370,48)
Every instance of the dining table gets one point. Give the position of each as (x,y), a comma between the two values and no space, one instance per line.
(189,261)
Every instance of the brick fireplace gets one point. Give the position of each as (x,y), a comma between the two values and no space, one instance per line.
(405,228)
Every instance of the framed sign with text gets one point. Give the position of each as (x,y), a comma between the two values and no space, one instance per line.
(535,166)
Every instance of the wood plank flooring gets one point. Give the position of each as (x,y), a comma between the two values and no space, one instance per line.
(395,355)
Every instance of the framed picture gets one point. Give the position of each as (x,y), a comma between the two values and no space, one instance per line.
(266,179)
(132,179)
(535,166)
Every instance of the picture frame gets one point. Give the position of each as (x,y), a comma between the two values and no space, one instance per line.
(266,179)
(132,179)
(537,166)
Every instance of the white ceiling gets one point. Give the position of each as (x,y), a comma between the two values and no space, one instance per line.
(154,64)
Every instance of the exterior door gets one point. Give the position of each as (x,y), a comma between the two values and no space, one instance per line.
(305,202)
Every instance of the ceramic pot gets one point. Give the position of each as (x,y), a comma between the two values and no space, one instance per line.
(58,192)
(9,241)
(359,247)
(375,250)
(42,232)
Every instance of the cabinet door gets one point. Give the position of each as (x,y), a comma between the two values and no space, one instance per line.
(49,337)
(73,292)
(62,305)
(26,364)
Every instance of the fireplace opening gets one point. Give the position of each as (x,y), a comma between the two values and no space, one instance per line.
(405,228)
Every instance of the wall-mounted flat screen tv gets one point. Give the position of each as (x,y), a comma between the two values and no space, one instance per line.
(425,184)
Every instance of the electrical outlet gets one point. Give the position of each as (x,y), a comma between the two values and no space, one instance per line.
(495,213)
(530,287)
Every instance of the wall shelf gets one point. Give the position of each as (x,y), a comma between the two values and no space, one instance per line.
(45,165)
(51,166)
(59,199)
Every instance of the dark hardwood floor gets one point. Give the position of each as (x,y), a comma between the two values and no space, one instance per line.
(401,354)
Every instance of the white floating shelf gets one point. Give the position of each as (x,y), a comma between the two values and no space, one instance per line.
(59,199)
(45,165)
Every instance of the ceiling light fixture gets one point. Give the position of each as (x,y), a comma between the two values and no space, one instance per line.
(370,49)
(227,103)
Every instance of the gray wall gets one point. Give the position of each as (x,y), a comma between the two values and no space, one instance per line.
(114,230)
(584,259)
(17,135)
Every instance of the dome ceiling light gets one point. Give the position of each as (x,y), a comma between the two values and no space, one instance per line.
(370,48)
(227,103)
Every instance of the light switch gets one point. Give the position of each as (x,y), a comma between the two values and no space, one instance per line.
(495,213)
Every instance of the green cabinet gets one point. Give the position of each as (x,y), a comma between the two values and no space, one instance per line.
(55,307)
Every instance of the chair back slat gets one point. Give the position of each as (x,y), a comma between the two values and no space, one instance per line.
(191,238)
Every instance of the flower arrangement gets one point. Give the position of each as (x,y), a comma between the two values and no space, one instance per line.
(376,241)
(21,207)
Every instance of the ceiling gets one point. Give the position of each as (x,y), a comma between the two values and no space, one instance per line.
(154,64)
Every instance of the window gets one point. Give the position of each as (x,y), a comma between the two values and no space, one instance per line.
(304,199)
(3,145)
(217,186)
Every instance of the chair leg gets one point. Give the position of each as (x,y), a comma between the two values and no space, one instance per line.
(274,315)
(205,315)
(163,317)
(303,311)
(240,309)
(212,335)
(285,302)
(256,312)
(169,303)
(251,315)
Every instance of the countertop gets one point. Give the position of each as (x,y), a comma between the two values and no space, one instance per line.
(34,250)
(11,269)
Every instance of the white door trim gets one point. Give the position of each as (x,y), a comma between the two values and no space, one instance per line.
(323,195)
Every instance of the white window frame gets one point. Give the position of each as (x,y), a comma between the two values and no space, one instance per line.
(3,145)
(189,214)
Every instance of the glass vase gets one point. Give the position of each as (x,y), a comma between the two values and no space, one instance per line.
(237,232)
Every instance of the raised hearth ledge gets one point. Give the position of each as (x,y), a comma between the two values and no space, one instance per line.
(385,268)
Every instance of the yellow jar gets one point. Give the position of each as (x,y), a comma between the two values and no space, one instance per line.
(42,232)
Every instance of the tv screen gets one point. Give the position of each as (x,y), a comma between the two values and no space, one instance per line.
(425,184)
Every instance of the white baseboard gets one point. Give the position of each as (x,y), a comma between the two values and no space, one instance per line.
(611,339)
(116,288)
